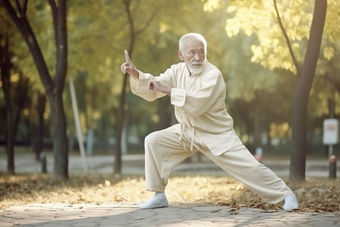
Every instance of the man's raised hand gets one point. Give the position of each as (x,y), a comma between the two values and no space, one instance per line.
(128,66)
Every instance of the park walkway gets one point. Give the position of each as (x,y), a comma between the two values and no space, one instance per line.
(177,214)
(181,215)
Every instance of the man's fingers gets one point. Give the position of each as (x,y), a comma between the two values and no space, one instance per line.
(127,58)
(122,67)
(151,85)
(127,66)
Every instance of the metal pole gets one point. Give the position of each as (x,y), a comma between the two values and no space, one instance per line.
(332,159)
(76,118)
(332,167)
(330,150)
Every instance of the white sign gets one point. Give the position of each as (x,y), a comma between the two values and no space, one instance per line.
(330,131)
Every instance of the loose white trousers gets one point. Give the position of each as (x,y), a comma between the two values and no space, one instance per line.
(164,151)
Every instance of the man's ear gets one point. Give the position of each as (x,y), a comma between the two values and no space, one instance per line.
(180,55)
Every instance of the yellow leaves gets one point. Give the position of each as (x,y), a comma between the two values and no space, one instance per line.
(231,9)
(15,78)
(279,130)
(258,52)
(155,118)
(233,26)
(245,138)
(107,183)
(295,47)
(288,65)
(211,5)
(274,53)
(108,61)
(26,112)
(163,27)
(260,18)
(314,195)
(296,19)
(328,52)
(248,32)
(96,115)
(332,26)
(248,18)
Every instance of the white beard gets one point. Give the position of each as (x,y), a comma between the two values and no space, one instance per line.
(196,70)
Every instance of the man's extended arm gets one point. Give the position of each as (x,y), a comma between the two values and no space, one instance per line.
(129,67)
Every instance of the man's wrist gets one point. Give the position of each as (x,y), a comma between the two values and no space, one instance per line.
(135,73)
(168,91)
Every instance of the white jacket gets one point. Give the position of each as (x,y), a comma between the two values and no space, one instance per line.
(199,102)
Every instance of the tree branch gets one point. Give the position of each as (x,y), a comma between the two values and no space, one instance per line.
(54,18)
(59,23)
(27,33)
(22,8)
(148,22)
(54,10)
(12,13)
(287,40)
(132,27)
(18,6)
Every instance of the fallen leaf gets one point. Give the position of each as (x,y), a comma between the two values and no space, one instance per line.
(269,211)
(138,218)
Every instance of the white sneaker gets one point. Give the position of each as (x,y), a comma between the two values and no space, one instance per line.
(158,201)
(291,203)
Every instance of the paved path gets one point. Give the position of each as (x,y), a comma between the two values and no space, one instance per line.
(181,215)
(184,214)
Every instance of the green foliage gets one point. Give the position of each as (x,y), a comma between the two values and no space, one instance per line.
(259,17)
(244,42)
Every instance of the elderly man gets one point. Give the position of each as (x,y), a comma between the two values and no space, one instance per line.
(197,90)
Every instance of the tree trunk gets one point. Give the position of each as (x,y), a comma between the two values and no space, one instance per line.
(39,132)
(54,89)
(121,108)
(120,124)
(9,119)
(299,131)
(60,143)
(5,78)
(22,93)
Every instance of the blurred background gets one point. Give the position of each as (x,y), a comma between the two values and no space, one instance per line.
(245,41)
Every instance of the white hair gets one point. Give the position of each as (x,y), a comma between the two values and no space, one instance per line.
(194,36)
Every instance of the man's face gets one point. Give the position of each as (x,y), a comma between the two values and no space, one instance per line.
(193,55)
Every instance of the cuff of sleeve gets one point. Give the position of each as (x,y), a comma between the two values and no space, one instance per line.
(138,84)
(178,97)
(134,84)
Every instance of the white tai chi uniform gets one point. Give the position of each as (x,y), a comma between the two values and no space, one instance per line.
(205,126)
